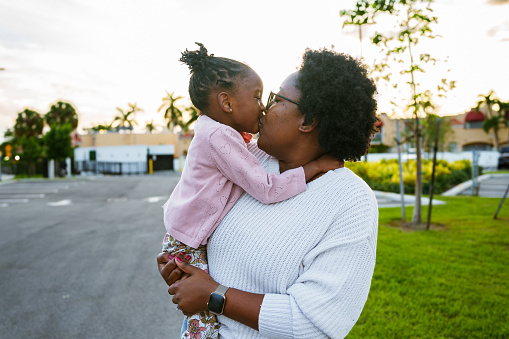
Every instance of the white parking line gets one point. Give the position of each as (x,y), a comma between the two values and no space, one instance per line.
(13,200)
(60,203)
(21,195)
(156,199)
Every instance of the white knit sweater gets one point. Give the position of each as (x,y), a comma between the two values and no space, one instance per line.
(312,256)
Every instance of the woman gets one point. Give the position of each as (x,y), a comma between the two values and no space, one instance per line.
(301,268)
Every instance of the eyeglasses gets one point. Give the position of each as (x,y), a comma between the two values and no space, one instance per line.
(272,97)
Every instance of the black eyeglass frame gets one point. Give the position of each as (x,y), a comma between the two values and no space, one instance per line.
(272,95)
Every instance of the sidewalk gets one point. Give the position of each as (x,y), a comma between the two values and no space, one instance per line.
(388,199)
(6,178)
(490,186)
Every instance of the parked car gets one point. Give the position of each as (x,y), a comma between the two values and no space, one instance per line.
(503,159)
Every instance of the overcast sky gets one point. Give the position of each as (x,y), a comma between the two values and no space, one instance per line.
(103,54)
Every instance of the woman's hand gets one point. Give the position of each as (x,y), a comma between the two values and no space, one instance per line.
(168,268)
(192,293)
(191,288)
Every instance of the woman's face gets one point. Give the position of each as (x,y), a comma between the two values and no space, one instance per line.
(279,127)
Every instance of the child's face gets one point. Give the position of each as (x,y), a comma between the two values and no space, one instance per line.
(247,106)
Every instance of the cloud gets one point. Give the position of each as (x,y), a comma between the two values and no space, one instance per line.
(500,31)
(497,2)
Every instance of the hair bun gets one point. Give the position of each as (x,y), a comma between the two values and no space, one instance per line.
(196,60)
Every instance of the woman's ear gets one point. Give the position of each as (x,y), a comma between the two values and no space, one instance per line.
(306,128)
(224,101)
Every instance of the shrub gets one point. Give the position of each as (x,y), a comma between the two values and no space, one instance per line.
(383,175)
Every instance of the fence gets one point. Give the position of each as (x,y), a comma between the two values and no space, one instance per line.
(118,168)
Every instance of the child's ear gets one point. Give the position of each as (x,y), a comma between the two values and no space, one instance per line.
(306,128)
(224,100)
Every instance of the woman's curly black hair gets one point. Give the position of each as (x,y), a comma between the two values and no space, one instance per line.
(337,92)
(210,72)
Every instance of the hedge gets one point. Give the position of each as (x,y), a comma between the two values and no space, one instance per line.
(384,175)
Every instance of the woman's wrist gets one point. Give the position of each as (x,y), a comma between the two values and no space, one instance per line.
(243,307)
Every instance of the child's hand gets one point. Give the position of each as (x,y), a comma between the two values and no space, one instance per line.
(328,162)
(321,165)
(168,268)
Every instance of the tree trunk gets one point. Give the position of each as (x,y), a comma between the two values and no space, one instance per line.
(495,128)
(417,215)
(497,142)
(31,168)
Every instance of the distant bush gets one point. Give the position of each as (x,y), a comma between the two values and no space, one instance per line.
(383,175)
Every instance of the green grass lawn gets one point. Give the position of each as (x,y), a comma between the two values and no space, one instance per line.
(497,172)
(450,282)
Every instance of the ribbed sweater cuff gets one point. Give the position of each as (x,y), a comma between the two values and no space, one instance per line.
(275,319)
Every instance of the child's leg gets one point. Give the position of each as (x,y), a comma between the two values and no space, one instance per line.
(204,321)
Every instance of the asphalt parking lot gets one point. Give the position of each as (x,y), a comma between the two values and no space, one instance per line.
(78,258)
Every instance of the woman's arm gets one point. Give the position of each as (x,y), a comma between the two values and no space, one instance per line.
(325,301)
(191,288)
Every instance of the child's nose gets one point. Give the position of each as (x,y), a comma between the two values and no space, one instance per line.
(262,107)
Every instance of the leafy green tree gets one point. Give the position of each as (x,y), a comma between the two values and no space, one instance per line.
(62,113)
(9,133)
(58,143)
(363,15)
(414,20)
(32,151)
(28,123)
(172,113)
(126,120)
(445,132)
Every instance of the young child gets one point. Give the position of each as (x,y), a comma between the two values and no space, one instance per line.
(219,167)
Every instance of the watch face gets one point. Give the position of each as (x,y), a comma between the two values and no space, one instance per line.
(216,303)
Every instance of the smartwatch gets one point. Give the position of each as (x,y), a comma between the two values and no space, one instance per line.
(217,300)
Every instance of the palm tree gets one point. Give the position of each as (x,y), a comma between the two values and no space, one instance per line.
(172,113)
(126,118)
(193,112)
(151,126)
(100,127)
(503,111)
(492,122)
(62,113)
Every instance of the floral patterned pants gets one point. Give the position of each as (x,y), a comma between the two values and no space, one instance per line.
(203,325)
